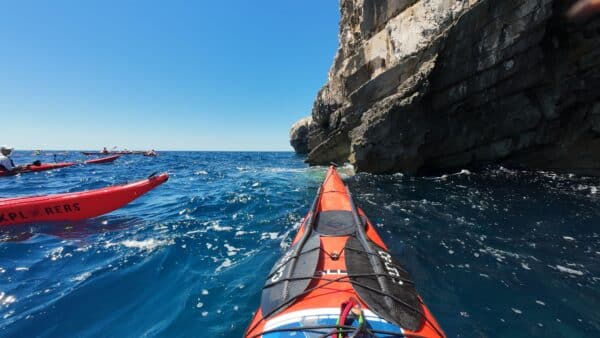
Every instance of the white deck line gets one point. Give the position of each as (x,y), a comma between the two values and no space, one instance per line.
(329,312)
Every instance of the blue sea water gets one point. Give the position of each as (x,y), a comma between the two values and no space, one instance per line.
(497,253)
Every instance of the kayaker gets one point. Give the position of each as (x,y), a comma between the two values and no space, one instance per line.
(104,150)
(6,163)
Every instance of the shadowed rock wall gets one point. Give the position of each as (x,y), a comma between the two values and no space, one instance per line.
(434,85)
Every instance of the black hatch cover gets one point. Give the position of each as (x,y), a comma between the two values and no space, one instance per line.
(279,292)
(402,307)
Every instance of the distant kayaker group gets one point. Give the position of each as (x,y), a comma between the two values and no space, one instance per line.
(68,206)
(105,151)
(9,168)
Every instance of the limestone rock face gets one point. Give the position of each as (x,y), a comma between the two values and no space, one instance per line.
(299,135)
(434,85)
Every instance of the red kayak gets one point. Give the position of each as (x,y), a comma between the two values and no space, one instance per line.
(129,152)
(35,168)
(338,279)
(108,159)
(76,205)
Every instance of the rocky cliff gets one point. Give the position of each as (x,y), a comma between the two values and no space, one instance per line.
(434,85)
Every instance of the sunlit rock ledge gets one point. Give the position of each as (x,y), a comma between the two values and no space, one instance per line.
(435,85)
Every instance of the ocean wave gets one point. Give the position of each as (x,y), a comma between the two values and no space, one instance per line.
(149,244)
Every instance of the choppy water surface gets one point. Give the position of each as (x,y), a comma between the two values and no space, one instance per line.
(495,254)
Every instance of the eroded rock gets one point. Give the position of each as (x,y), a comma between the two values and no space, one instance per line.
(299,135)
(436,85)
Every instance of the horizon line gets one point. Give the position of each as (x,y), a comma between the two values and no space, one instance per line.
(167,150)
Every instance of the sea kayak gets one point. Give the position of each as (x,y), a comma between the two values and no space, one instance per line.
(338,279)
(90,153)
(108,159)
(76,205)
(35,168)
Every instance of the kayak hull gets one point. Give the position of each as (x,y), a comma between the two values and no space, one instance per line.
(90,153)
(102,160)
(74,206)
(37,168)
(326,267)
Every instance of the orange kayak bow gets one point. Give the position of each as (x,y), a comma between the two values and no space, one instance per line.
(338,280)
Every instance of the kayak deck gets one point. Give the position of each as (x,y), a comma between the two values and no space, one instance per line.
(36,168)
(338,279)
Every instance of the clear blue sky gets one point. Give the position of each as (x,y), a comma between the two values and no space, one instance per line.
(171,75)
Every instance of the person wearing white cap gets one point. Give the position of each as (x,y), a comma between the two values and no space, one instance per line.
(6,163)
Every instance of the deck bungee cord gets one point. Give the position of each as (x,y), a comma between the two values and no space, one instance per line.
(342,279)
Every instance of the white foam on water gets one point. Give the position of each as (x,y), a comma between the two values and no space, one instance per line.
(346,171)
(216,226)
(226,263)
(231,250)
(269,235)
(56,253)
(21,268)
(284,170)
(241,198)
(569,270)
(500,255)
(540,302)
(517,311)
(83,248)
(204,292)
(146,245)
(201,172)
(568,238)
(82,277)
(6,300)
